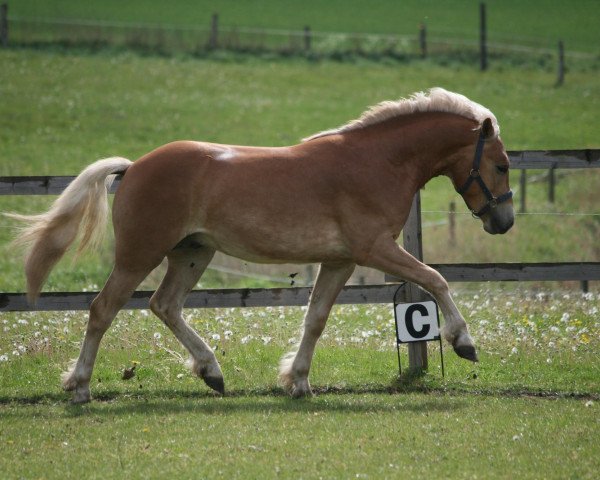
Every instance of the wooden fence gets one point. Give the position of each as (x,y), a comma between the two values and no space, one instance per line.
(383,293)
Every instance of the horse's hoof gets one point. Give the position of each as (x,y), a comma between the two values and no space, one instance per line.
(216,383)
(79,398)
(467,352)
(302,390)
(297,393)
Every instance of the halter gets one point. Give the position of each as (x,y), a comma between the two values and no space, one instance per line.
(475,175)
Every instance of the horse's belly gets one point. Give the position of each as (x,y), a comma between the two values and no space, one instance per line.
(278,246)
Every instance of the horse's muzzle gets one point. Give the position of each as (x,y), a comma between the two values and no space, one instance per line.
(499,220)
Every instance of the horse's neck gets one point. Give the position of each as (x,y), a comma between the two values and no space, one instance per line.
(424,145)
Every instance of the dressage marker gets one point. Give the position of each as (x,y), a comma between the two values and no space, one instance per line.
(416,322)
(339,198)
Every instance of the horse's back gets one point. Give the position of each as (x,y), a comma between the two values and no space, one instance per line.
(262,204)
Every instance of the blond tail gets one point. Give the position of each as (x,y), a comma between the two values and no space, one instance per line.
(84,203)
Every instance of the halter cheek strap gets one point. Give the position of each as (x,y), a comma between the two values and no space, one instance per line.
(475,176)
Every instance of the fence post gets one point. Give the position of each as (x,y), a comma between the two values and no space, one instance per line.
(585,286)
(523,191)
(452,222)
(307,38)
(551,184)
(482,37)
(213,39)
(413,244)
(4,25)
(423,39)
(561,64)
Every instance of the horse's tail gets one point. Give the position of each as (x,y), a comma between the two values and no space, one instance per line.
(84,203)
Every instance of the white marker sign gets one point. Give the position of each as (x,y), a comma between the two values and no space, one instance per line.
(417,322)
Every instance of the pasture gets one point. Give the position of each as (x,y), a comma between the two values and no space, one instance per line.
(509,21)
(529,409)
(62,111)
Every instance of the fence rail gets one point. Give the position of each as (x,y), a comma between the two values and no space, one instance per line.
(297,296)
(526,159)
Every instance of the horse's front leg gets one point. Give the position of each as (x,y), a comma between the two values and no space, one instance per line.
(294,366)
(390,258)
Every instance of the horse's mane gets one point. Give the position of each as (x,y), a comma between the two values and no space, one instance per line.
(436,100)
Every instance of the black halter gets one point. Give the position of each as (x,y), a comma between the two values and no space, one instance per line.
(475,175)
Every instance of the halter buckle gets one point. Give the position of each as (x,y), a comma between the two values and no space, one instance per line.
(493,203)
(474,173)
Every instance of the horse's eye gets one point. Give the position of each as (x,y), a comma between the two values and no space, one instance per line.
(501,169)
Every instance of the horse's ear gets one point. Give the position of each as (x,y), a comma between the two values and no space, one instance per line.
(488,129)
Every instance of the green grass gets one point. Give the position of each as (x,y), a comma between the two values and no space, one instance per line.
(62,111)
(531,401)
(508,21)
(367,436)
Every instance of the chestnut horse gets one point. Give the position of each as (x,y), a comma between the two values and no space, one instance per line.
(339,198)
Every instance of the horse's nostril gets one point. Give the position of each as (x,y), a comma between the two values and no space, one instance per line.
(507,226)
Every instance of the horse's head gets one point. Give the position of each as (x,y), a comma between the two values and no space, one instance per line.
(484,183)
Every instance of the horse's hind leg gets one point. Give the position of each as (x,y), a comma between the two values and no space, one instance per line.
(294,367)
(117,290)
(186,265)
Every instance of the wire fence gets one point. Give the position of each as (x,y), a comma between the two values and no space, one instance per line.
(202,39)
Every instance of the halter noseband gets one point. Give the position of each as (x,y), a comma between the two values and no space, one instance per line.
(475,175)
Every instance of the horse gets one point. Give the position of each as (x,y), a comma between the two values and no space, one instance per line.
(339,198)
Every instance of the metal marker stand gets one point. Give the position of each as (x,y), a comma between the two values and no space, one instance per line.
(399,342)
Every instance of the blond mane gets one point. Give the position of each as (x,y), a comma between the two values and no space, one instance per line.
(435,100)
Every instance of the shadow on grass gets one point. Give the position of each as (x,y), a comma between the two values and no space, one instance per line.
(169,401)
(441,397)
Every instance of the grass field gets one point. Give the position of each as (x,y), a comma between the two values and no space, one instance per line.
(529,409)
(509,21)
(62,111)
